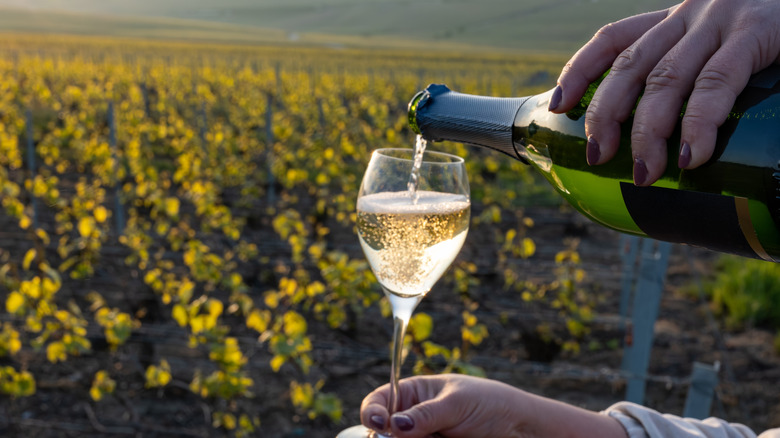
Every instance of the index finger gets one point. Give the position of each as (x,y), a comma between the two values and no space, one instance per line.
(373,410)
(595,57)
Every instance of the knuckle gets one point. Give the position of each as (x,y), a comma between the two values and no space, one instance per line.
(697,118)
(568,68)
(640,139)
(713,79)
(593,116)
(762,48)
(608,32)
(610,36)
(424,414)
(694,116)
(664,75)
(627,59)
(571,71)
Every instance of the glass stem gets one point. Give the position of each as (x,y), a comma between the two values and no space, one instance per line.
(402,313)
(399,332)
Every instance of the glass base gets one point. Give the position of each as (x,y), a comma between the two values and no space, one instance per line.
(360,431)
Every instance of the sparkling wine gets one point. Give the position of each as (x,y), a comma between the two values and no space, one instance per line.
(408,245)
(414,177)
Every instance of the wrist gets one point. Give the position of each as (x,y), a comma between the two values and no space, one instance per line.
(546,417)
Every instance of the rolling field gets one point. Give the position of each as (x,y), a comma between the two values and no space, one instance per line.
(561,26)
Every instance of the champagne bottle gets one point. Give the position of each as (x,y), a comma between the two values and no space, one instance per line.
(730,204)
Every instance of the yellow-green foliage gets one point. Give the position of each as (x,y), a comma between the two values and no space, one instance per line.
(746,292)
(158,376)
(193,162)
(16,383)
(102,385)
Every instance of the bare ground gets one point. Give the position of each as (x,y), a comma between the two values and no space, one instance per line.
(352,363)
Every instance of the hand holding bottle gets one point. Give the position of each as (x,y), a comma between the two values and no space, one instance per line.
(700,50)
(462,406)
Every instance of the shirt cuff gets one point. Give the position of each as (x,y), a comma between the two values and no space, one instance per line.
(634,428)
(643,422)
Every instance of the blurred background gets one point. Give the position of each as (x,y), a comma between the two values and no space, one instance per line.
(177,245)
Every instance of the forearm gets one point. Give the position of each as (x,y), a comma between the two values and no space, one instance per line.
(558,419)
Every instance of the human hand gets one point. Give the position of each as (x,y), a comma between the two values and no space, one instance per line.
(700,50)
(455,406)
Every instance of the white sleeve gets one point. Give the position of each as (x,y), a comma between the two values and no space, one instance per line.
(642,422)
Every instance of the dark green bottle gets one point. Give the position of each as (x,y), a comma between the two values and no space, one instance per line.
(730,204)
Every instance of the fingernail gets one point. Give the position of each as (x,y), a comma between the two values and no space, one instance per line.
(377,422)
(593,150)
(555,100)
(685,155)
(640,171)
(403,422)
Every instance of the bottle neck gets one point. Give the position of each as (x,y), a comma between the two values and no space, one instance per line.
(440,114)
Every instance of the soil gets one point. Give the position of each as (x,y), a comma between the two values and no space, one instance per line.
(354,362)
(685,332)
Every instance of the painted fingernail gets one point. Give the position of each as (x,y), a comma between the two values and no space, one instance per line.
(403,422)
(685,155)
(593,150)
(377,422)
(555,99)
(640,171)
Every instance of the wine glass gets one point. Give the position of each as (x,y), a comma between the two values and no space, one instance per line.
(411,225)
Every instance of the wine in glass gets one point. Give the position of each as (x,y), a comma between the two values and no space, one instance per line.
(411,226)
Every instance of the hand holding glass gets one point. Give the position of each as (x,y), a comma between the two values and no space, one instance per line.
(410,238)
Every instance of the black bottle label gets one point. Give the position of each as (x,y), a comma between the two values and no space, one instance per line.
(717,222)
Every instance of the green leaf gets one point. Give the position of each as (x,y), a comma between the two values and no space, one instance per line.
(86,226)
(471,370)
(258,320)
(29,256)
(102,385)
(55,352)
(329,405)
(430,349)
(277,362)
(172,207)
(179,314)
(158,376)
(527,248)
(14,303)
(294,324)
(421,326)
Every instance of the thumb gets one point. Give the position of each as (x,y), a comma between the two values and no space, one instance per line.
(423,419)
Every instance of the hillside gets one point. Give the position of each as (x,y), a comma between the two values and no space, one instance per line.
(539,25)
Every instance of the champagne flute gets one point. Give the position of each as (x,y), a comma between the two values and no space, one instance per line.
(411,228)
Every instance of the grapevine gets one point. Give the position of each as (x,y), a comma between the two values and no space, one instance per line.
(208,189)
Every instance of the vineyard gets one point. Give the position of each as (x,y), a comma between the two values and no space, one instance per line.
(178,256)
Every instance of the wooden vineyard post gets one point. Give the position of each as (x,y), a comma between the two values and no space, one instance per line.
(31,162)
(653,261)
(629,246)
(312,81)
(279,84)
(203,126)
(145,95)
(118,207)
(704,379)
(321,112)
(269,151)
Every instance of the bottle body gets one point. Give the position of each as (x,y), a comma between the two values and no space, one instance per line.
(730,204)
